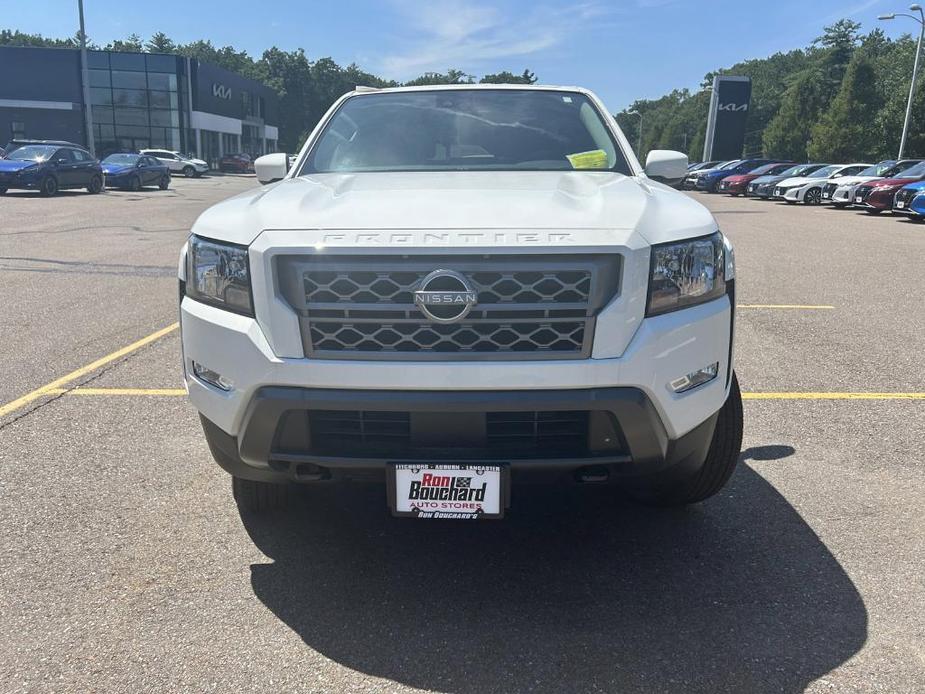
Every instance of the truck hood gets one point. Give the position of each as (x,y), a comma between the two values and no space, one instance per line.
(592,208)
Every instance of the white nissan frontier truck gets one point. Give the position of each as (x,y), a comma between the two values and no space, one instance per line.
(457,290)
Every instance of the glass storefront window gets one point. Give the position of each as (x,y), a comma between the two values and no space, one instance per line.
(169,119)
(129,80)
(100,95)
(132,131)
(131,116)
(99,78)
(98,59)
(163,100)
(161,63)
(127,61)
(165,82)
(102,114)
(130,97)
(130,92)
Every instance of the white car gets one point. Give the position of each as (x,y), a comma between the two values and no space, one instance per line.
(457,289)
(808,189)
(178,163)
(841,194)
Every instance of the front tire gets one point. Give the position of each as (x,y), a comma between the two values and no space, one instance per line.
(134,185)
(813,196)
(96,185)
(3,191)
(259,497)
(189,171)
(49,187)
(718,467)
(164,183)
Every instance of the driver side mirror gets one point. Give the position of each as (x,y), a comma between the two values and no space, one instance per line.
(272,167)
(666,166)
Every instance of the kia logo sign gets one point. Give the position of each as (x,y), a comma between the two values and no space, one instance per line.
(732,107)
(221,91)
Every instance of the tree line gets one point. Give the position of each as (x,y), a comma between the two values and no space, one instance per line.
(306,88)
(841,99)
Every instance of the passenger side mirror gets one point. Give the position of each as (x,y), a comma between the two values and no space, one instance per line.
(271,167)
(666,166)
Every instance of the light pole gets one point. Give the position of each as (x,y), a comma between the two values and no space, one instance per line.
(915,68)
(85,78)
(638,134)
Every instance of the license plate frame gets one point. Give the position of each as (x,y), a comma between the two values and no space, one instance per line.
(900,205)
(450,509)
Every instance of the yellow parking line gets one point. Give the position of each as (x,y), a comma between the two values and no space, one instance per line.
(56,386)
(807,307)
(833,396)
(170,392)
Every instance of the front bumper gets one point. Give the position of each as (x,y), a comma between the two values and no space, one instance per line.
(876,200)
(627,440)
(662,349)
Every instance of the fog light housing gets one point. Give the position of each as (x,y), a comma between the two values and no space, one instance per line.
(696,378)
(213,378)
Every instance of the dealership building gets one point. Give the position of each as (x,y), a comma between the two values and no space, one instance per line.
(136,100)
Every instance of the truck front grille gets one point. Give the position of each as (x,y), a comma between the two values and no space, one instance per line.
(527,306)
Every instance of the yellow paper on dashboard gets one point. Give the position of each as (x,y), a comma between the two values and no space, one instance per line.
(594,159)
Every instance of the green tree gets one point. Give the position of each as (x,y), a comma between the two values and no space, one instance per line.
(450,77)
(843,133)
(132,44)
(506,77)
(787,135)
(160,43)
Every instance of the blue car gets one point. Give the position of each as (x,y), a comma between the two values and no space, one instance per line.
(910,200)
(48,168)
(710,180)
(135,171)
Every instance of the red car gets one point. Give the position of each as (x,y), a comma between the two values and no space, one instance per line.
(877,196)
(738,184)
(236,163)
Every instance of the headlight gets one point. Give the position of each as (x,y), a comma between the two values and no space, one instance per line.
(218,274)
(686,273)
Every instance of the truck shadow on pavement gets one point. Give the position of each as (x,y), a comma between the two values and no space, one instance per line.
(576,590)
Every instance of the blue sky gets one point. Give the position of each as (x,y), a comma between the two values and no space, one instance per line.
(622,49)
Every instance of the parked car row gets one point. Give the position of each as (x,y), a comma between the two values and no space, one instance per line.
(52,165)
(896,186)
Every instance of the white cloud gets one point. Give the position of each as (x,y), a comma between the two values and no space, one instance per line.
(462,33)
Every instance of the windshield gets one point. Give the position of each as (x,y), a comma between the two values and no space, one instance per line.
(766,168)
(730,164)
(465,130)
(126,159)
(917,170)
(32,153)
(824,172)
(878,169)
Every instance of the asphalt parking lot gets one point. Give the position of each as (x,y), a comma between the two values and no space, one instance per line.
(125,566)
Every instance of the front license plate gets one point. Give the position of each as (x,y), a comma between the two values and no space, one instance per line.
(900,205)
(449,491)
(826,196)
(858,199)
